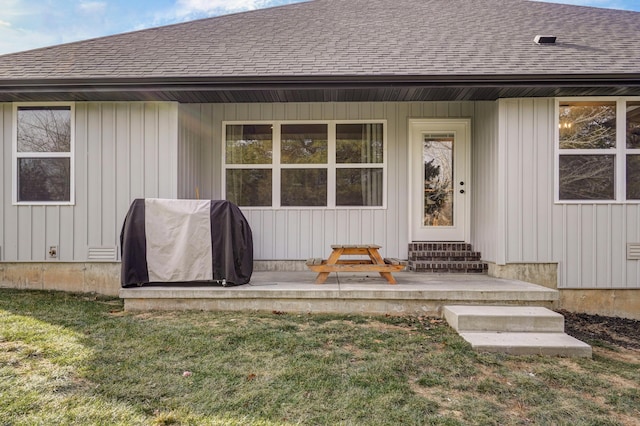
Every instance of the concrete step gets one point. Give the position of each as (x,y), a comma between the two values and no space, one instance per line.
(548,344)
(503,319)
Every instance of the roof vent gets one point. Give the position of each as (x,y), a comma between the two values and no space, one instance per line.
(545,39)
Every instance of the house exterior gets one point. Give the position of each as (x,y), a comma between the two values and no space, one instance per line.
(328,122)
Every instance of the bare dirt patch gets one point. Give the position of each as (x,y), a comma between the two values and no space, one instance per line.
(621,332)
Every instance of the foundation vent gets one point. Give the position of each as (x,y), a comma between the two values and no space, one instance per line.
(633,251)
(102,253)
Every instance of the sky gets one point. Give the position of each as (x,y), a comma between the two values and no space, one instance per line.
(30,24)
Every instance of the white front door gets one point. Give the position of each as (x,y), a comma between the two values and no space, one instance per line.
(439,169)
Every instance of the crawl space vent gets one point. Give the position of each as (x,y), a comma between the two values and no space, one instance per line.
(102,253)
(633,251)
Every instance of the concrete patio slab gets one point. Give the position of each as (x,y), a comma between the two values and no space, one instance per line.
(415,293)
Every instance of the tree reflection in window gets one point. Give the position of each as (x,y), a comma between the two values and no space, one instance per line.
(359,143)
(359,187)
(43,144)
(633,125)
(304,144)
(588,126)
(303,187)
(633,177)
(44,129)
(437,157)
(249,187)
(249,144)
(291,164)
(587,177)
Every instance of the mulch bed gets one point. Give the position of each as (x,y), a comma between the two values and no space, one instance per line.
(596,329)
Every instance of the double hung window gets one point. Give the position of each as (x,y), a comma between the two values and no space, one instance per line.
(43,154)
(598,151)
(305,164)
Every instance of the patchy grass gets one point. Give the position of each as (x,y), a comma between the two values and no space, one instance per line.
(70,359)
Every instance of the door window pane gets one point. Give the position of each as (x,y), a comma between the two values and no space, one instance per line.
(303,187)
(249,187)
(633,125)
(587,177)
(44,179)
(359,143)
(359,187)
(304,144)
(437,155)
(249,144)
(585,125)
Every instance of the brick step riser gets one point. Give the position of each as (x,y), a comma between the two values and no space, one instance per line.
(444,258)
(439,247)
(439,268)
(449,271)
(444,264)
(444,253)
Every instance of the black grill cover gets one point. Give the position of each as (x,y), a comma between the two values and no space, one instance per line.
(230,241)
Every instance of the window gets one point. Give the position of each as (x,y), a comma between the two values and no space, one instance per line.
(598,151)
(43,151)
(359,155)
(318,164)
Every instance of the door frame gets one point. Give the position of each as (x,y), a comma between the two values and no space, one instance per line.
(462,128)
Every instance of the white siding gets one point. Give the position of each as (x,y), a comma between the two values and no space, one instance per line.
(302,233)
(588,241)
(484,172)
(189,150)
(123,151)
(7,234)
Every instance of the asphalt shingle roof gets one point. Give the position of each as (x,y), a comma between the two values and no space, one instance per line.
(376,39)
(356,37)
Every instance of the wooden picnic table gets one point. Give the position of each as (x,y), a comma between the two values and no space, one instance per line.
(372,263)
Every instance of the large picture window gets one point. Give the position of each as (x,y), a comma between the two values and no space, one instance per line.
(299,164)
(43,154)
(598,151)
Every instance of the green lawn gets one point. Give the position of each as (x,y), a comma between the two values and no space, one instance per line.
(72,359)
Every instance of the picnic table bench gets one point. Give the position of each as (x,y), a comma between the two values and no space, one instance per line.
(373,263)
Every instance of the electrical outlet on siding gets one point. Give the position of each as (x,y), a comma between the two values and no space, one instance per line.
(53,252)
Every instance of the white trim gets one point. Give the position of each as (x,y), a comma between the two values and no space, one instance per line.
(620,151)
(462,173)
(331,166)
(15,155)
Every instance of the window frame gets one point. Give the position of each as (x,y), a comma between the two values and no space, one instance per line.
(16,156)
(620,151)
(331,165)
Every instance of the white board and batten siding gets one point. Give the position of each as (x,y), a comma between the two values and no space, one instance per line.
(485,180)
(294,234)
(589,241)
(126,150)
(123,151)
